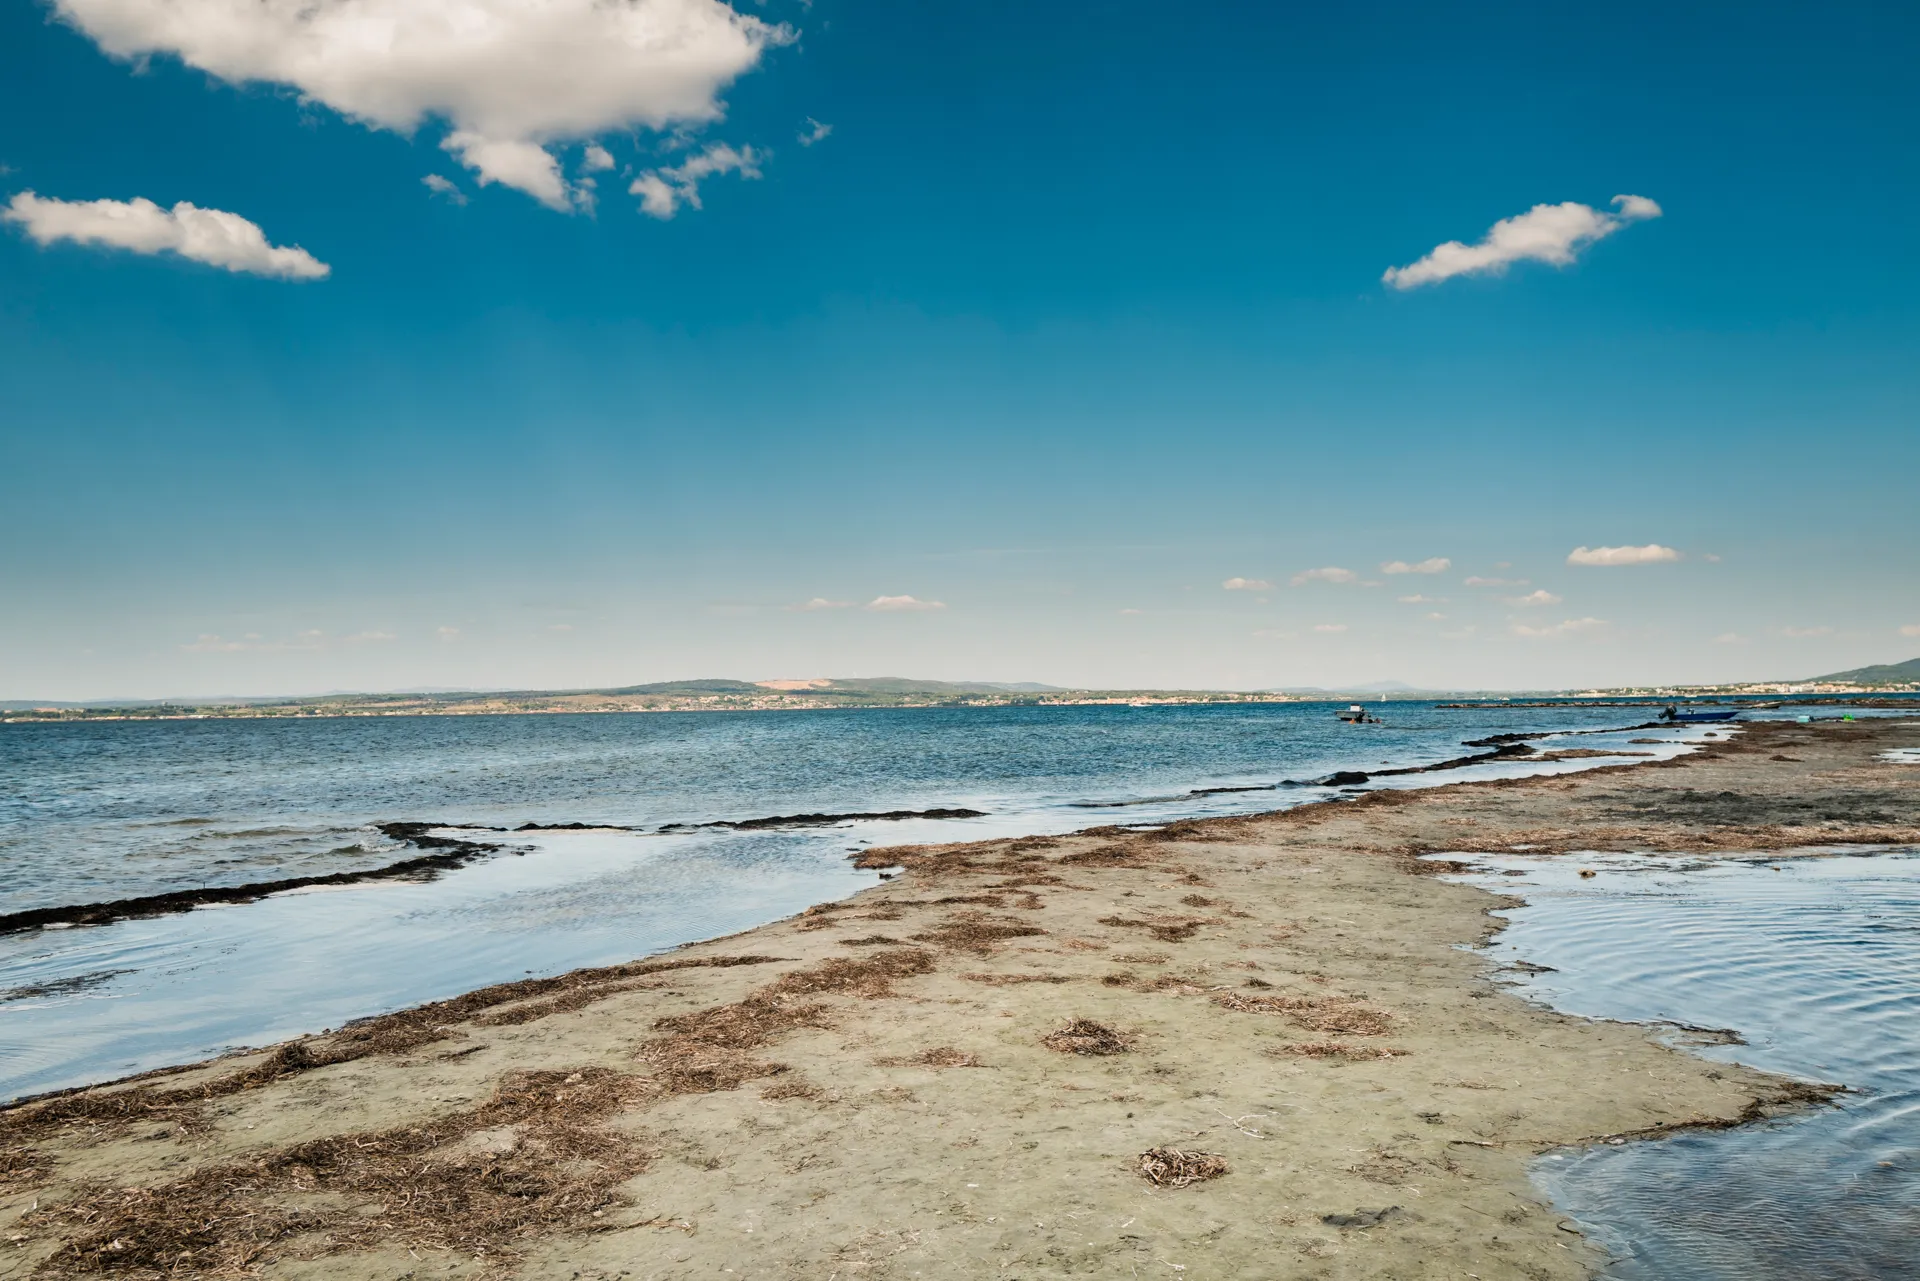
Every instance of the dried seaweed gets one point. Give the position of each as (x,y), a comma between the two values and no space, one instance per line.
(530,1159)
(1084,1036)
(940,1056)
(1175,1168)
(1337,1050)
(1168,929)
(1008,980)
(976,932)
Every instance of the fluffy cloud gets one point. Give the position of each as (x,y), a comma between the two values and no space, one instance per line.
(1805,633)
(663,191)
(510,76)
(1478,581)
(1651,554)
(814,132)
(1420,599)
(211,236)
(1432,565)
(1911,629)
(1545,233)
(1534,598)
(896,603)
(1325,574)
(1247,585)
(596,158)
(1567,627)
(821,602)
(1729,638)
(1329,627)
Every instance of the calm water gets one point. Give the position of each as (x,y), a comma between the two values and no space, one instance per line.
(1816,964)
(111,810)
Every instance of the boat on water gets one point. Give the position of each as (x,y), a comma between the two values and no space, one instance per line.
(1357,715)
(1695,716)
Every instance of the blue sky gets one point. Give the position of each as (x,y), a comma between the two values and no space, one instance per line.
(1072,315)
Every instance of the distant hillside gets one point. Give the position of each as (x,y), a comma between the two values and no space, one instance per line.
(715,685)
(907,685)
(1879,674)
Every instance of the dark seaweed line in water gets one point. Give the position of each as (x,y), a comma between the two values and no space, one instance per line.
(450,853)
(820,820)
(1504,751)
(749,824)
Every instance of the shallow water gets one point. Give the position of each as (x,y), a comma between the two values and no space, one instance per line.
(93,811)
(1815,963)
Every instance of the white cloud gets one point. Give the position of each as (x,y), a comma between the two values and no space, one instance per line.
(1434,618)
(821,602)
(370,638)
(447,633)
(1545,233)
(1804,633)
(442,186)
(1534,598)
(211,236)
(1565,628)
(1420,599)
(1247,585)
(814,132)
(1131,612)
(1329,627)
(1432,565)
(253,642)
(1729,638)
(1910,629)
(510,76)
(663,191)
(1477,581)
(1325,574)
(596,158)
(893,603)
(1651,554)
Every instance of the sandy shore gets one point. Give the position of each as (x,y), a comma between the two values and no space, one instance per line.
(971,1070)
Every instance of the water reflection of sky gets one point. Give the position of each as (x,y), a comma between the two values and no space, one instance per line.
(1816,963)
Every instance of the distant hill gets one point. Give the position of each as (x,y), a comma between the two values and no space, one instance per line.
(1879,674)
(906,685)
(713,685)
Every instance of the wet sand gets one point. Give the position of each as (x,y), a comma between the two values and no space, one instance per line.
(974,1069)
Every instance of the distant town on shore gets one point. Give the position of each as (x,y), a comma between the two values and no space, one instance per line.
(726,695)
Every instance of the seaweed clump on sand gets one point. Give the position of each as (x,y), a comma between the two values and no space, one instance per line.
(939,1056)
(1176,1168)
(1085,1036)
(531,1159)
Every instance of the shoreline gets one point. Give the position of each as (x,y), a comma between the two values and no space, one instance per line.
(880,1084)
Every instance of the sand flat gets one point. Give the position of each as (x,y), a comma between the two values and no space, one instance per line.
(888,1086)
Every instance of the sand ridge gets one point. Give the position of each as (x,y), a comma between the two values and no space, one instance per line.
(975,1069)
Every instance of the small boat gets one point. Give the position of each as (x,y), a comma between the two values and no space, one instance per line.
(1674,716)
(1357,715)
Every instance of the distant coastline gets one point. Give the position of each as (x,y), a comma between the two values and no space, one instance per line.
(887,692)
